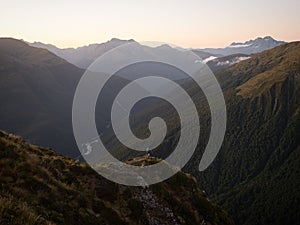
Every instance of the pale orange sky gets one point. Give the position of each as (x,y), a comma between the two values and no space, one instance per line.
(189,23)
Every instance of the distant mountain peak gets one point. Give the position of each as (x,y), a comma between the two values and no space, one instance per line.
(248,47)
(259,40)
(268,38)
(164,46)
(120,40)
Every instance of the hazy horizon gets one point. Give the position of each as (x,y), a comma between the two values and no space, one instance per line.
(189,24)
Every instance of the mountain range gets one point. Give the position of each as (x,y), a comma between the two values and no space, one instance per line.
(84,56)
(255,176)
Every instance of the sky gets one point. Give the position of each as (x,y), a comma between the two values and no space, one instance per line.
(186,23)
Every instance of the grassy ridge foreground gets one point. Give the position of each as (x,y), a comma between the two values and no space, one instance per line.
(39,186)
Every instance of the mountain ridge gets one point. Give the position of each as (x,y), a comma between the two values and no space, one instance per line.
(39,186)
(36,92)
(82,56)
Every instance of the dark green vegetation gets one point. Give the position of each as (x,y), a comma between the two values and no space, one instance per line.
(256,174)
(268,139)
(38,186)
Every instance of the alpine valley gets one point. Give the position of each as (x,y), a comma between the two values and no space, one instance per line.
(254,180)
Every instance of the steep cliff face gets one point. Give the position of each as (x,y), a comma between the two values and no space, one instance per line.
(39,186)
(257,168)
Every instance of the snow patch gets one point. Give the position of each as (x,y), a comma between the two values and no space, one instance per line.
(239,45)
(235,60)
(243,58)
(209,59)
